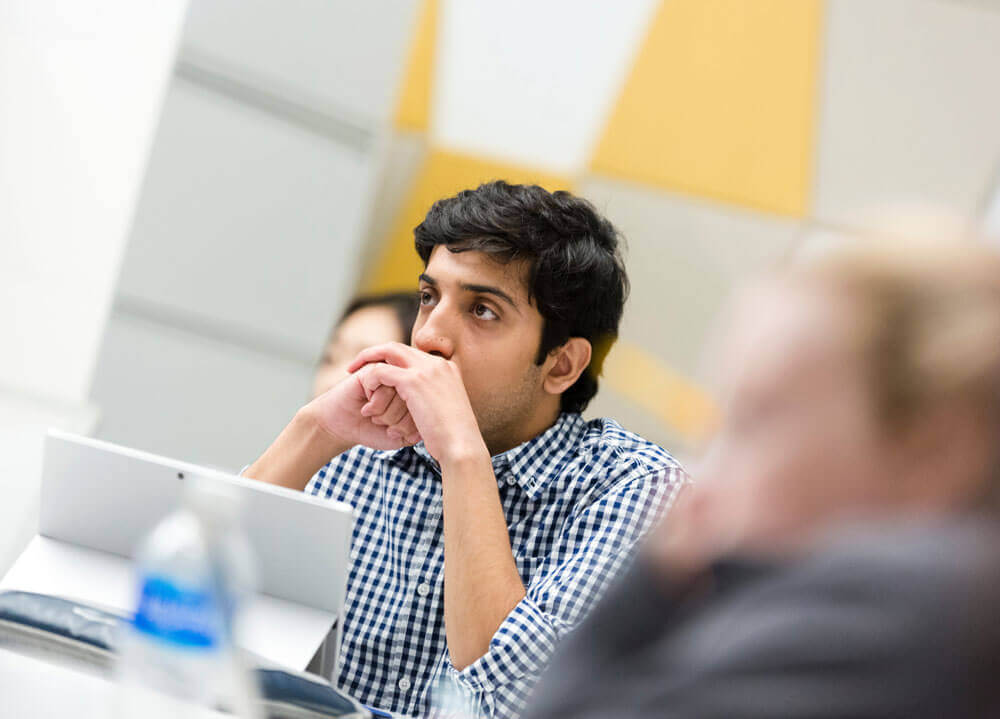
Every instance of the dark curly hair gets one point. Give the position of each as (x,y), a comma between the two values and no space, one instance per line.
(577,277)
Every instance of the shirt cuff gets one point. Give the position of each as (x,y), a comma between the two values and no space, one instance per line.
(521,646)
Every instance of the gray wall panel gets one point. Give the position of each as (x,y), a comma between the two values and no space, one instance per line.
(344,53)
(247,220)
(247,237)
(908,110)
(190,397)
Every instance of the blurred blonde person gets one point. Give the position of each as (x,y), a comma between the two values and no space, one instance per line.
(838,555)
(368,320)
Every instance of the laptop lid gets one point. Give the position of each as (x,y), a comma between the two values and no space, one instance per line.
(106,497)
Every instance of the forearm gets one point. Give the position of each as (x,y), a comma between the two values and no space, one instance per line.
(481,581)
(297,454)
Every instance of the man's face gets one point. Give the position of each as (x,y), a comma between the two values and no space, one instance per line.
(800,446)
(475,311)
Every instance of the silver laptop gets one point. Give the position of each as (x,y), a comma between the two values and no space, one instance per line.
(106,497)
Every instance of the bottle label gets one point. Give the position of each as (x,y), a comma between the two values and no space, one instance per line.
(179,615)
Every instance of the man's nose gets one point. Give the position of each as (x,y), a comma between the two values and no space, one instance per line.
(435,336)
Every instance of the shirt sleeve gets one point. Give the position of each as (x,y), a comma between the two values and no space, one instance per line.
(340,471)
(593,547)
(632,615)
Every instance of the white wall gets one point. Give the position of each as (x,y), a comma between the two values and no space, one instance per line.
(532,82)
(81,85)
(80,92)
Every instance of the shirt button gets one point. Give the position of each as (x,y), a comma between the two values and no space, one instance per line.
(423,590)
(511,480)
(403,684)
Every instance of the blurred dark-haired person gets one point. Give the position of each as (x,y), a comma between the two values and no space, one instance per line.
(490,513)
(367,321)
(839,554)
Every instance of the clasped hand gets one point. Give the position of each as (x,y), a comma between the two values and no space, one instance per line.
(397,395)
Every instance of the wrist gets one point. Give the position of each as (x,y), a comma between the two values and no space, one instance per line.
(309,425)
(297,453)
(466,457)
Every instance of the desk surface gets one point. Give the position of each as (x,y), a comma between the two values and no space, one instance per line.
(31,688)
(283,632)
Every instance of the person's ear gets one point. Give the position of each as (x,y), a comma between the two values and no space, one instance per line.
(565,364)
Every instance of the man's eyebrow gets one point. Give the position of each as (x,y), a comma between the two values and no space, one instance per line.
(482,289)
(490,290)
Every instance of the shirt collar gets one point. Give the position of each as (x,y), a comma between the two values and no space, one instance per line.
(532,464)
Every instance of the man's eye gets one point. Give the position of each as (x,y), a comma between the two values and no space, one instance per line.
(483,312)
(426,298)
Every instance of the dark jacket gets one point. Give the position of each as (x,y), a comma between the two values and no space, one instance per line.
(903,622)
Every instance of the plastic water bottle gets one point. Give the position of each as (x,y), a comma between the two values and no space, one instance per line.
(194,572)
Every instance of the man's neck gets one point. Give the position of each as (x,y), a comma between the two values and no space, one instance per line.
(541,419)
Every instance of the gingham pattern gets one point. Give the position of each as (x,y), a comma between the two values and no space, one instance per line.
(577,498)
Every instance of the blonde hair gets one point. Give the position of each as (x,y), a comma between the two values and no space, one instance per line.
(927,320)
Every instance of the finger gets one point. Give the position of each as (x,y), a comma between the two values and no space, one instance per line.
(407,430)
(393,353)
(385,374)
(379,401)
(393,413)
(368,383)
(411,439)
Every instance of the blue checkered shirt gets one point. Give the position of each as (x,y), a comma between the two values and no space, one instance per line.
(577,498)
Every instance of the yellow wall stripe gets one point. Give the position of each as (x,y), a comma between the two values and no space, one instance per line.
(721,103)
(672,398)
(413,110)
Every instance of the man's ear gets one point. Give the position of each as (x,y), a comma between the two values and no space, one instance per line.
(565,364)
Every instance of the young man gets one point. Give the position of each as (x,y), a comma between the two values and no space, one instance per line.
(490,514)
